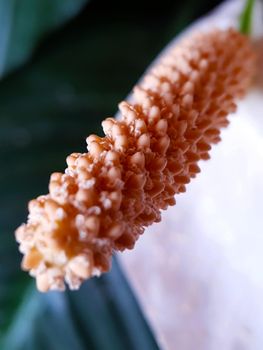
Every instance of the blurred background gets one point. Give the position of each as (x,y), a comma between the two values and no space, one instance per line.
(64,66)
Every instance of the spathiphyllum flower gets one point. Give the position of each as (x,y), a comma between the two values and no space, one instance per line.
(107,196)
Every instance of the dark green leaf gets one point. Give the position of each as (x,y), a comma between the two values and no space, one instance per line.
(99,316)
(23,22)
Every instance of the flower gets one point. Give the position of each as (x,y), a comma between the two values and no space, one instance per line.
(107,196)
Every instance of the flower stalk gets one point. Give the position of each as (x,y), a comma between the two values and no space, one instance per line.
(245,25)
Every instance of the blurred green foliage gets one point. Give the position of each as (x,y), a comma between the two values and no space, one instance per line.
(48,106)
(23,23)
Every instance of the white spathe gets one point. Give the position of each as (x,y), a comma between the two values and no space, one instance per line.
(198,274)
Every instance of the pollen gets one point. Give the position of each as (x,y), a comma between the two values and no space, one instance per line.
(110,194)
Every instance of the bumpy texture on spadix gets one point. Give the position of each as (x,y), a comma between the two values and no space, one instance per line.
(107,196)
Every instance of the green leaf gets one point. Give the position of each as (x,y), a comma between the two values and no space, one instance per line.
(99,316)
(23,22)
(47,109)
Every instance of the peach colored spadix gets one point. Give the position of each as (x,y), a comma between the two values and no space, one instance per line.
(107,196)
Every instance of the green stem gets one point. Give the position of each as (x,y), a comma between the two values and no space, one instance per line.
(245,22)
